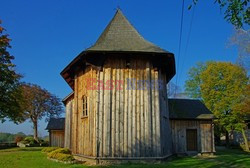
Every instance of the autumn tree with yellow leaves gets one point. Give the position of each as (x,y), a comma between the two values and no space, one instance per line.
(223,87)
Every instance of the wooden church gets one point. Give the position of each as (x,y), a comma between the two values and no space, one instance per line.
(119,106)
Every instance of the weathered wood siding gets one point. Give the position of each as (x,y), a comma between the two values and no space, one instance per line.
(166,141)
(205,138)
(124,120)
(83,135)
(57,138)
(68,123)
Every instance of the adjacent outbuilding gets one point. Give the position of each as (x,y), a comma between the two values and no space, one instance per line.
(55,128)
(192,127)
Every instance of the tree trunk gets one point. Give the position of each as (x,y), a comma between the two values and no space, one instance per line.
(35,130)
(245,139)
(227,139)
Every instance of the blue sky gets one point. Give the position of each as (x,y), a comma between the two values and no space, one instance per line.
(46,35)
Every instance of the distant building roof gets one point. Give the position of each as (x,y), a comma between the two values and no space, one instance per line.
(69,96)
(188,109)
(56,124)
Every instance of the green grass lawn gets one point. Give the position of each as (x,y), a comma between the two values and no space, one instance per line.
(33,158)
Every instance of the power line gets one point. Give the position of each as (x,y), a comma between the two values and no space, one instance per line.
(188,39)
(179,50)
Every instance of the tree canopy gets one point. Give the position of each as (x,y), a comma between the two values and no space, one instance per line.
(9,82)
(193,84)
(236,12)
(39,103)
(223,87)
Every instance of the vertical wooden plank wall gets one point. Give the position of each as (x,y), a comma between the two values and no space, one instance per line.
(207,137)
(68,124)
(84,132)
(129,116)
(204,136)
(57,138)
(165,131)
(122,121)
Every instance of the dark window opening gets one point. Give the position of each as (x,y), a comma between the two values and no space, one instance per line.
(85,106)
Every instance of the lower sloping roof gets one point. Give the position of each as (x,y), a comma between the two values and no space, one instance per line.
(56,124)
(188,109)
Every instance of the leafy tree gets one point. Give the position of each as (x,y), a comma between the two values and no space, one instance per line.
(7,137)
(237,12)
(18,138)
(9,82)
(39,103)
(192,86)
(222,87)
(241,113)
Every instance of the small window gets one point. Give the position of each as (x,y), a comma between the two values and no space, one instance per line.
(85,106)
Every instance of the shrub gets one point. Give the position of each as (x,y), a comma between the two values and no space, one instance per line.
(49,149)
(18,138)
(30,140)
(61,154)
(60,150)
(44,143)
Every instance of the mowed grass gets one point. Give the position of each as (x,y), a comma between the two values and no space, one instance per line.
(34,158)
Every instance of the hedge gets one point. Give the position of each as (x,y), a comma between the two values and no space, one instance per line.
(49,149)
(60,154)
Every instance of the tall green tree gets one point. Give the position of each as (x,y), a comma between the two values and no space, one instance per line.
(39,103)
(236,12)
(193,84)
(222,87)
(241,113)
(10,94)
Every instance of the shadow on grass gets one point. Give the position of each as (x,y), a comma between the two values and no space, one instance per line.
(223,158)
(231,158)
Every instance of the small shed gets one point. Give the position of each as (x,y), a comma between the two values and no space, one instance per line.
(55,128)
(191,126)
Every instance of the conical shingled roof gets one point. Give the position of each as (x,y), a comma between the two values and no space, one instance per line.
(120,35)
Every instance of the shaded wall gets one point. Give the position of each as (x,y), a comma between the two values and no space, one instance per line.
(68,123)
(205,135)
(56,138)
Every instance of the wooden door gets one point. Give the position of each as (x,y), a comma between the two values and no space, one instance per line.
(191,135)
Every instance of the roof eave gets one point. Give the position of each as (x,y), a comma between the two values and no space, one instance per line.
(84,53)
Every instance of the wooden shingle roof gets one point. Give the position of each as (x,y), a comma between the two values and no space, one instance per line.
(188,109)
(120,35)
(56,124)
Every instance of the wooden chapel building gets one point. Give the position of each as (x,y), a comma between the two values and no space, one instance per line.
(119,106)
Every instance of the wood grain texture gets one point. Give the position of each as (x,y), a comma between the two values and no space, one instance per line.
(205,142)
(128,119)
(57,138)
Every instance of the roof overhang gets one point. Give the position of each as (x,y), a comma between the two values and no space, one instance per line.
(97,58)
